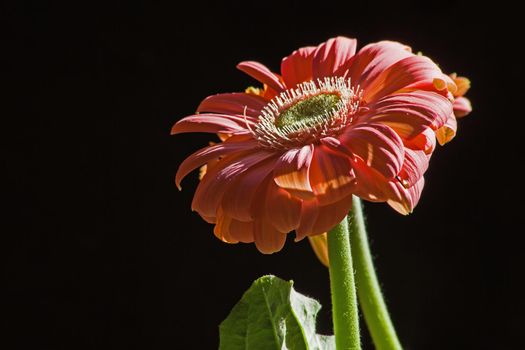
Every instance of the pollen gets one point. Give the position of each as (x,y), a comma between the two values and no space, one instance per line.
(307,113)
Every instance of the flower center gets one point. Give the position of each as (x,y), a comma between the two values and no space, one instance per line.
(308,109)
(307,113)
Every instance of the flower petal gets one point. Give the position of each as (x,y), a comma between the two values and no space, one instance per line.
(218,179)
(462,107)
(241,231)
(331,58)
(407,199)
(377,145)
(331,215)
(309,212)
(297,67)
(319,245)
(262,74)
(447,132)
(292,171)
(412,71)
(425,141)
(414,166)
(409,114)
(331,175)
(222,227)
(235,103)
(282,209)
(374,58)
(370,184)
(267,238)
(212,123)
(237,201)
(234,144)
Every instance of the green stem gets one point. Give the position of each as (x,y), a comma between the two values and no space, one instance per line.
(369,292)
(344,298)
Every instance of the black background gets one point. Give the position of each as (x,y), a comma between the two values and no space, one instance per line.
(100,250)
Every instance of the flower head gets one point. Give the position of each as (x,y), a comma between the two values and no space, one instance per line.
(334,123)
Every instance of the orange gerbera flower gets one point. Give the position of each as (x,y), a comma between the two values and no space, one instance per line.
(333,124)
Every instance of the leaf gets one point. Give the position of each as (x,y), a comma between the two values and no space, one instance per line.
(271,315)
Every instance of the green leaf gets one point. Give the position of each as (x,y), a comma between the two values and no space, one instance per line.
(272,315)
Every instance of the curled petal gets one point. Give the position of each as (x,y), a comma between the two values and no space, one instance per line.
(212,123)
(292,171)
(370,184)
(240,104)
(331,58)
(425,141)
(462,107)
(413,72)
(374,58)
(406,199)
(297,67)
(210,153)
(447,132)
(409,114)
(414,166)
(262,74)
(377,145)
(283,208)
(331,175)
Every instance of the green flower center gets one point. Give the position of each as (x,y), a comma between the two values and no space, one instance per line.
(308,110)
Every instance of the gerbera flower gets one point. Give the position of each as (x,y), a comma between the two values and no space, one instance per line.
(462,108)
(333,124)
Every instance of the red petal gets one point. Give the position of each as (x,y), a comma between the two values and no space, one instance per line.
(212,123)
(241,231)
(262,74)
(237,201)
(331,175)
(331,58)
(236,103)
(297,67)
(462,107)
(331,215)
(207,154)
(374,58)
(218,178)
(292,171)
(425,141)
(268,239)
(413,71)
(377,145)
(414,166)
(282,209)
(409,114)
(407,199)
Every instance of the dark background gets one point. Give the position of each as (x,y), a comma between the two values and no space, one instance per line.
(100,250)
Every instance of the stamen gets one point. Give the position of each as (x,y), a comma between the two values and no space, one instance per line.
(307,113)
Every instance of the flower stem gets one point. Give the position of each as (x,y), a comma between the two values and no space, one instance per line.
(369,292)
(344,298)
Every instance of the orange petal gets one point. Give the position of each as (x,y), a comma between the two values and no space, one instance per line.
(319,245)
